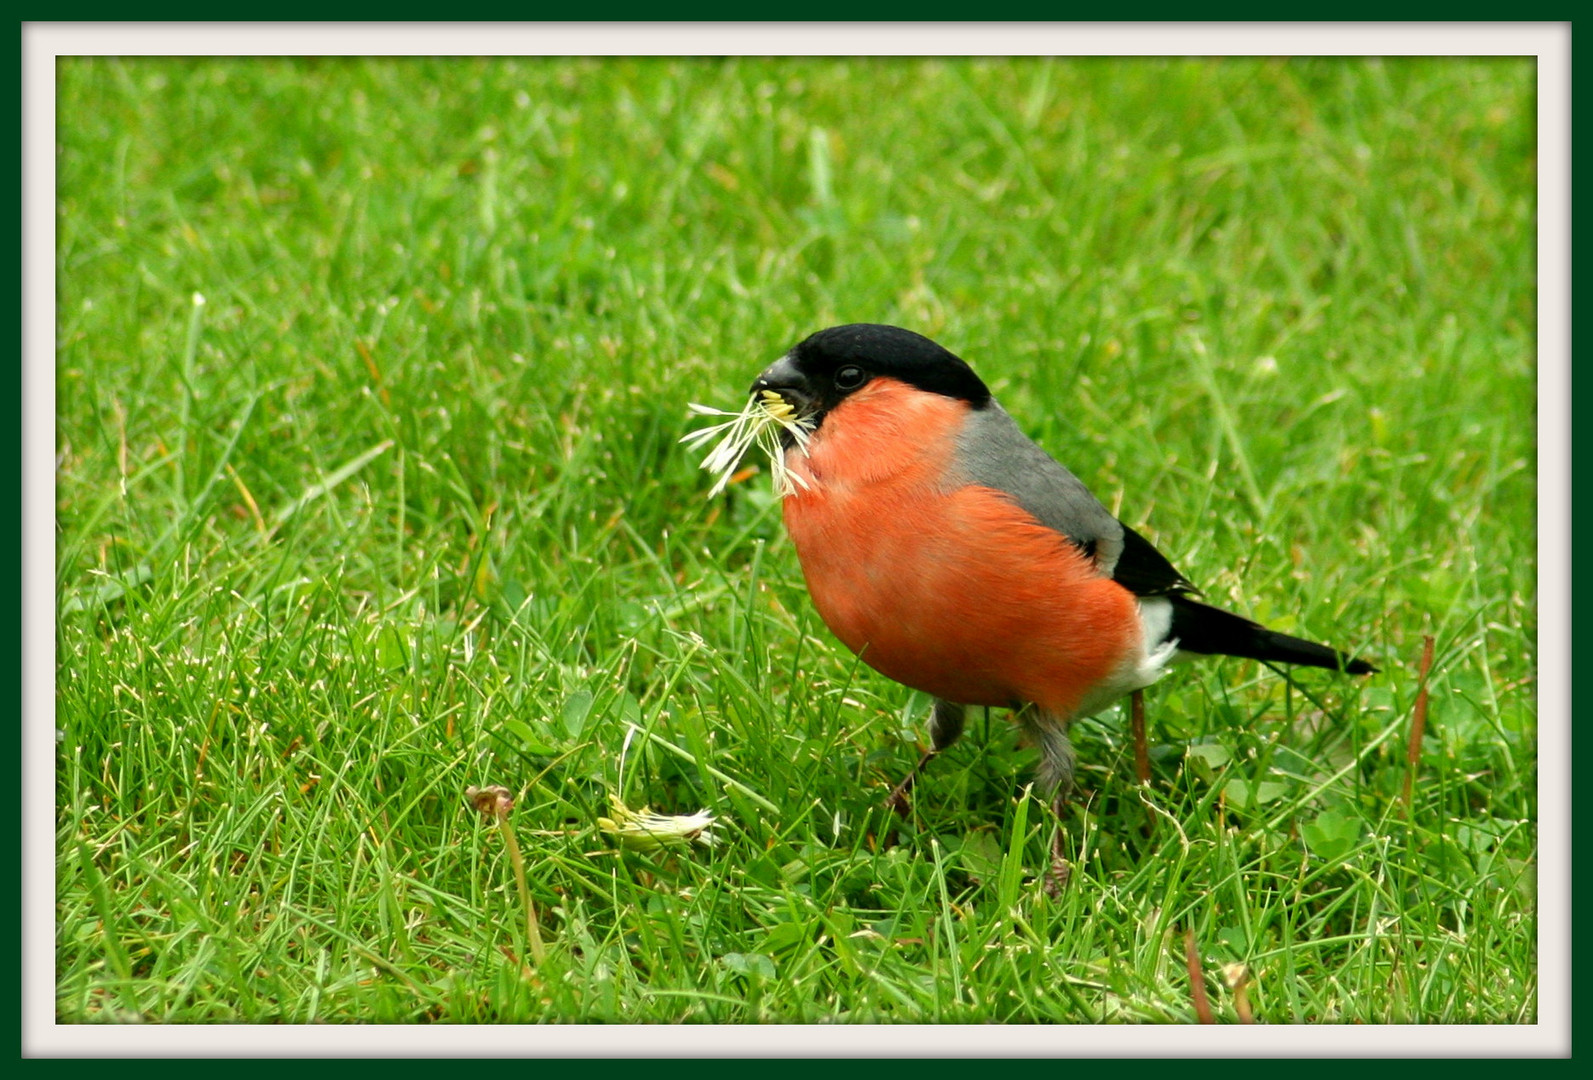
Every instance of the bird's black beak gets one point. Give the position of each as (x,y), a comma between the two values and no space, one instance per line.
(787,380)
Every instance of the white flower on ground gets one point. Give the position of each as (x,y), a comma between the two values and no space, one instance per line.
(643,830)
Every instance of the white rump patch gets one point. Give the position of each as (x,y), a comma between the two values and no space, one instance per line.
(1155,620)
(1143,666)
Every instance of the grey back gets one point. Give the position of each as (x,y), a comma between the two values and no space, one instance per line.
(993,452)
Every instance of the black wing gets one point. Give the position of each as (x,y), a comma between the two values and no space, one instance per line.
(1144,571)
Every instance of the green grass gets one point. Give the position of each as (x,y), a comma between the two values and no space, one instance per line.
(399,510)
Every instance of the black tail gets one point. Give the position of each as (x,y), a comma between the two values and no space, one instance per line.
(1201,628)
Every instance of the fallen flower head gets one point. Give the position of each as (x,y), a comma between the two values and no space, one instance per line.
(643,830)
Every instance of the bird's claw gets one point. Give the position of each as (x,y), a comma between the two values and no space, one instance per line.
(1057,877)
(1060,871)
(898,801)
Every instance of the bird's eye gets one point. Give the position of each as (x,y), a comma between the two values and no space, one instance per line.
(850,377)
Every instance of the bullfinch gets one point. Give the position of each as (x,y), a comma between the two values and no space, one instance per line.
(955,556)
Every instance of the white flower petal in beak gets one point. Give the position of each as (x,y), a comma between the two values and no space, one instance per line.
(759,421)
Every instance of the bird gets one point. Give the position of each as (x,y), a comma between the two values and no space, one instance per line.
(954,555)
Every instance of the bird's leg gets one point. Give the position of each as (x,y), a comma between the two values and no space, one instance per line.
(945,726)
(1055,778)
(1136,723)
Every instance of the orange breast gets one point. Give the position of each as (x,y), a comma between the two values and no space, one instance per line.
(960,594)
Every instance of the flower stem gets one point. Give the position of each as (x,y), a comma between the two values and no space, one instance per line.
(494,803)
(533,934)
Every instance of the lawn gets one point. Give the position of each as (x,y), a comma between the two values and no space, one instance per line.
(370,381)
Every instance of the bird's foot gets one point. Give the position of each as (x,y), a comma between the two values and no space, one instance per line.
(1060,871)
(1057,877)
(898,801)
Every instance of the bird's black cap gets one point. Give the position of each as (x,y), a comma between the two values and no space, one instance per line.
(892,352)
(821,370)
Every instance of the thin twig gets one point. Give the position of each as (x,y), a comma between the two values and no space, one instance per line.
(1136,723)
(1418,722)
(1197,980)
